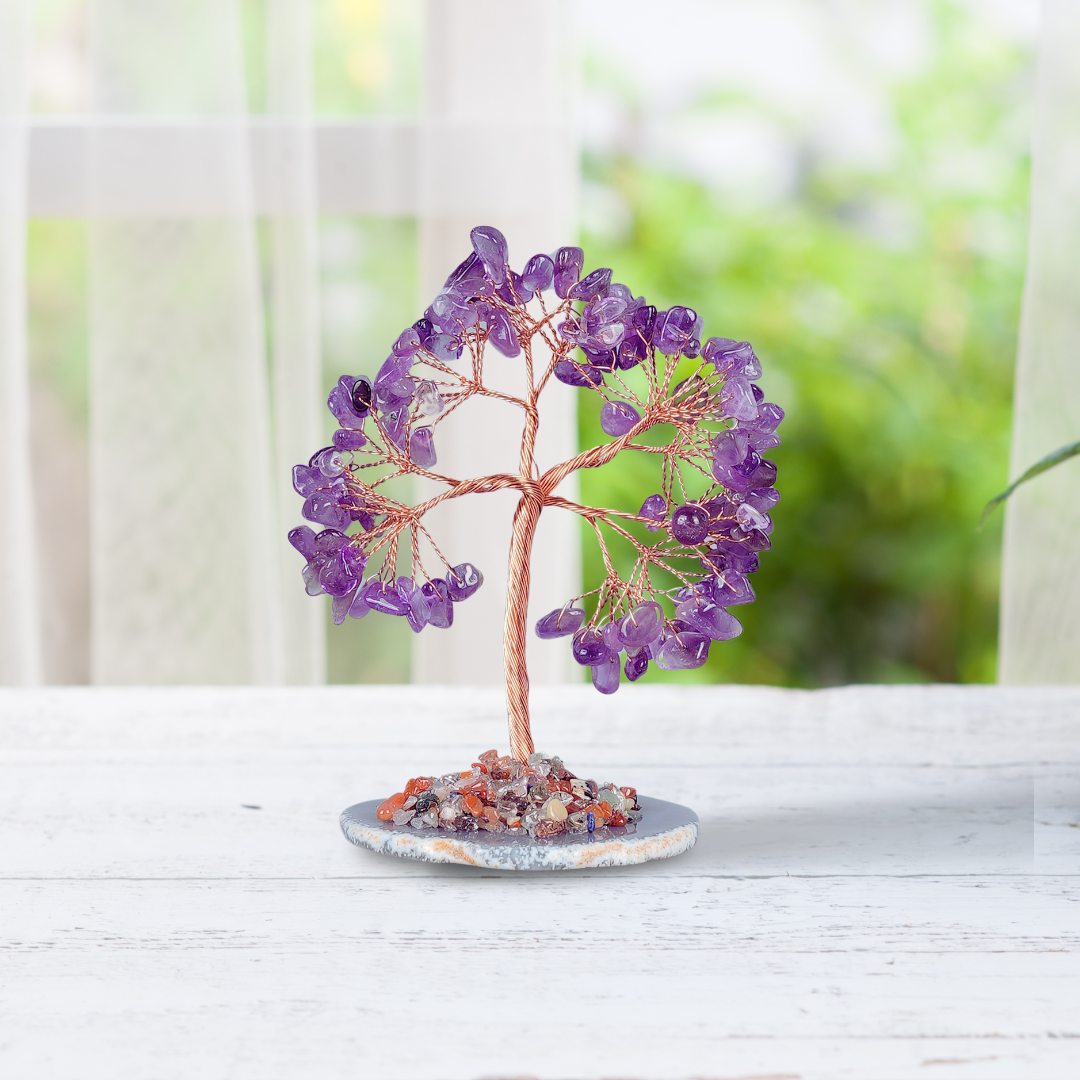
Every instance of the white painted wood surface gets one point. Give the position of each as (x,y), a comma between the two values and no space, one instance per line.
(886,885)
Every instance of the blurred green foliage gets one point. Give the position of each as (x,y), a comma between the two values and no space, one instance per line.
(884,305)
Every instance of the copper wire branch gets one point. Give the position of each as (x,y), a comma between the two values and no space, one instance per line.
(684,411)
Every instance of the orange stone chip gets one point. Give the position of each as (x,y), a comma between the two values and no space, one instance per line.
(475,806)
(387,809)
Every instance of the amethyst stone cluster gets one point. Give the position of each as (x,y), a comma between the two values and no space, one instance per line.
(653,370)
(728,528)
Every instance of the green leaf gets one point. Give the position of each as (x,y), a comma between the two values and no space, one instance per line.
(1048,462)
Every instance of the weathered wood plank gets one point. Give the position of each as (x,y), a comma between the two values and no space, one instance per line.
(151,925)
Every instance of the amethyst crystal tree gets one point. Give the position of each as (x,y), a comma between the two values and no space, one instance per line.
(704,529)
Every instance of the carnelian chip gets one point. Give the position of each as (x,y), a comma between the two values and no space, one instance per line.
(387,809)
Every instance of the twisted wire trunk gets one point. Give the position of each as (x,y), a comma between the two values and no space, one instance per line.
(517,605)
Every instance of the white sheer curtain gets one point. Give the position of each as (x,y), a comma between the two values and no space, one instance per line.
(20,641)
(204,386)
(498,149)
(187,545)
(1040,587)
(294,306)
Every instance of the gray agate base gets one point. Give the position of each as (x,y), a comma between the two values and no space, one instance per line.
(665,829)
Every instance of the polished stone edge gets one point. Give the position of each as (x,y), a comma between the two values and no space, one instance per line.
(523,853)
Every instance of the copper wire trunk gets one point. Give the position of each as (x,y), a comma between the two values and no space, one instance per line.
(517,609)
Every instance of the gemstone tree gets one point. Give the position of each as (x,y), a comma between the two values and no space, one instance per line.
(655,377)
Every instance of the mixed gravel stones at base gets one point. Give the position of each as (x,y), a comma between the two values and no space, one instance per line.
(540,797)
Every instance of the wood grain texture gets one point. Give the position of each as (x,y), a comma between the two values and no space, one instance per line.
(886,885)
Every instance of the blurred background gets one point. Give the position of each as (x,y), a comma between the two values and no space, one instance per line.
(844,183)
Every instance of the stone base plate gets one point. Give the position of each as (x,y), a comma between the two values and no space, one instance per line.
(665,829)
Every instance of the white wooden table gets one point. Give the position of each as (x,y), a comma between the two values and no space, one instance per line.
(886,885)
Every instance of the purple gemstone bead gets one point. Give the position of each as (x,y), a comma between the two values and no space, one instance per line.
(312,585)
(729,447)
(306,480)
(637,664)
(760,442)
(422,448)
(690,523)
(605,675)
(384,598)
(360,395)
(764,476)
(463,581)
(424,331)
(354,559)
(601,313)
(560,623)
(445,347)
(617,418)
(490,245)
(707,617)
(589,647)
(349,439)
(467,278)
(513,291)
(440,606)
(359,607)
(330,542)
(737,399)
(632,350)
(393,426)
(340,405)
(732,357)
(538,273)
(763,499)
(729,588)
(392,395)
(642,626)
(502,334)
(393,368)
(407,343)
(575,374)
(724,557)
(767,420)
(592,284)
(303,539)
(328,461)
(342,605)
(739,477)
(759,394)
(749,517)
(655,507)
(674,329)
(335,579)
(449,312)
(322,508)
(610,633)
(419,611)
(756,540)
(601,359)
(645,320)
(428,399)
(683,650)
(568,264)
